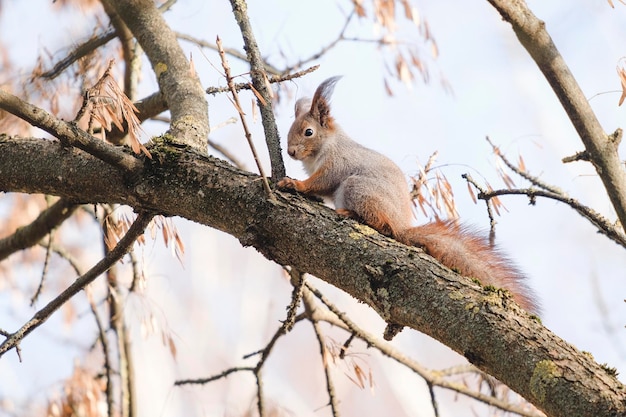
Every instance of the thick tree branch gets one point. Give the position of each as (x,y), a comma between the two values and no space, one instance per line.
(601,150)
(405,286)
(122,247)
(69,133)
(177,80)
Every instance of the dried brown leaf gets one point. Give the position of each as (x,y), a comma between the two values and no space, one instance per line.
(172,346)
(239,109)
(388,89)
(360,375)
(434,50)
(470,189)
(358,8)
(520,164)
(402,69)
(611,3)
(258,95)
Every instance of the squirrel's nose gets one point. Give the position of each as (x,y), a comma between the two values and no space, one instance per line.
(291,152)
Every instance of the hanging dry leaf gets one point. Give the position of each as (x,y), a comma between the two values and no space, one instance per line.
(358,8)
(258,95)
(402,69)
(612,5)
(108,106)
(470,189)
(520,164)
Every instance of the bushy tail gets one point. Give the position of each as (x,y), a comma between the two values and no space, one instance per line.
(471,255)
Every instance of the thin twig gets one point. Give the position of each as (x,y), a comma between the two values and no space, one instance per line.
(214,377)
(260,84)
(247,133)
(108,371)
(534,180)
(603,225)
(297,280)
(492,221)
(602,151)
(44,271)
(271,80)
(227,154)
(87,47)
(310,307)
(260,401)
(122,247)
(79,52)
(230,51)
(325,49)
(386,349)
(433,399)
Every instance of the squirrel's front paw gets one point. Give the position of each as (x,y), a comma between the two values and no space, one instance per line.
(287,184)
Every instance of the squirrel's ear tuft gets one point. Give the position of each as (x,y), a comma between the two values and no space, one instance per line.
(320,105)
(303,105)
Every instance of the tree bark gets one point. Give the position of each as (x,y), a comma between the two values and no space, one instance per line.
(404,285)
(178,81)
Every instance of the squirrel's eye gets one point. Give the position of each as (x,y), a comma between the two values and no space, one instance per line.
(308,132)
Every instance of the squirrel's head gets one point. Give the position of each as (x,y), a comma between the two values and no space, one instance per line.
(314,124)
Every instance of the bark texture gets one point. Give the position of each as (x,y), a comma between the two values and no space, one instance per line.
(405,286)
(177,80)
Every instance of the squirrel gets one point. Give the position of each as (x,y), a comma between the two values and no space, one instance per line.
(366,185)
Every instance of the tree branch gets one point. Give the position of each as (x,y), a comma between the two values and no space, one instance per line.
(122,247)
(69,133)
(30,235)
(405,286)
(259,81)
(177,80)
(601,150)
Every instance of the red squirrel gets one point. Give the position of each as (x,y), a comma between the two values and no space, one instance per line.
(368,186)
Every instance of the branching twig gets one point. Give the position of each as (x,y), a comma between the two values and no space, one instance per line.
(310,307)
(87,47)
(546,190)
(229,80)
(259,81)
(273,79)
(601,149)
(481,191)
(603,225)
(256,370)
(531,178)
(230,51)
(63,254)
(214,377)
(431,377)
(325,49)
(122,247)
